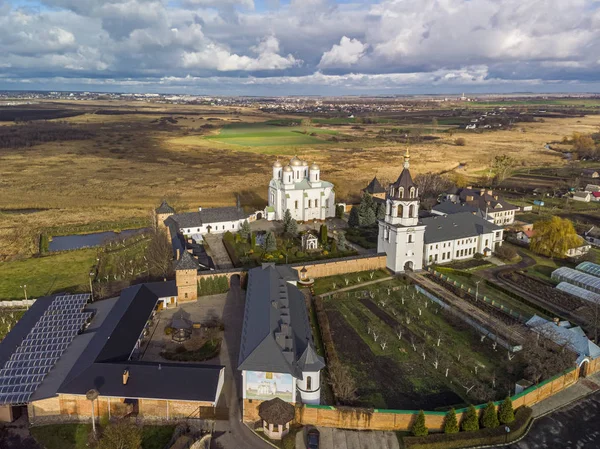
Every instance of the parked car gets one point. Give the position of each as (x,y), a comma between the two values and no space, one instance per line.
(312,439)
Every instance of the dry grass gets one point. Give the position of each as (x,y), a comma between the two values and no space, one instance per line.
(132,163)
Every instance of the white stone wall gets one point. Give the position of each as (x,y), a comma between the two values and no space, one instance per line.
(460,249)
(215,228)
(502,218)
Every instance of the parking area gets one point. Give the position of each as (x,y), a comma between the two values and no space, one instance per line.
(350,439)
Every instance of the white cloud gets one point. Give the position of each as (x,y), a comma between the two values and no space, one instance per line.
(344,54)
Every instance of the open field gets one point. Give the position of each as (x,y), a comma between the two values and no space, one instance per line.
(140,153)
(410,373)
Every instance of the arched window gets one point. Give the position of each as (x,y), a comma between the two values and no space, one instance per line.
(309,383)
(411,210)
(401,192)
(392,191)
(412,192)
(400,211)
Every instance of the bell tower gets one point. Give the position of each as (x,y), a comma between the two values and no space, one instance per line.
(400,235)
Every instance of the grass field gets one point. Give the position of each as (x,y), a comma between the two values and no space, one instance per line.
(69,271)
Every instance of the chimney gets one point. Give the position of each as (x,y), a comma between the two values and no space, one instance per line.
(125,376)
(490,192)
(199,208)
(556,321)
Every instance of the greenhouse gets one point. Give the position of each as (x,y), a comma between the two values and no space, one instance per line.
(578,278)
(589,268)
(579,292)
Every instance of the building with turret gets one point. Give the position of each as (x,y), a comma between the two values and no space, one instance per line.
(299,188)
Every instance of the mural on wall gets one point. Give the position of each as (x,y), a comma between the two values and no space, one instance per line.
(265,386)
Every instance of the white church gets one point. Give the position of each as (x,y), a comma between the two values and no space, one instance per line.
(411,243)
(300,189)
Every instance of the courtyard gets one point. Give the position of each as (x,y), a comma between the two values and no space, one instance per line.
(405,351)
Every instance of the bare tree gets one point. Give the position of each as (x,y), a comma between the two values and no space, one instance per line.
(342,382)
(159,254)
(399,332)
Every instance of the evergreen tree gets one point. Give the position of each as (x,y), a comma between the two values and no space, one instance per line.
(245,230)
(287,219)
(450,423)
(339,211)
(354,218)
(470,420)
(489,419)
(369,218)
(419,429)
(380,212)
(293,228)
(506,413)
(270,242)
(341,241)
(323,233)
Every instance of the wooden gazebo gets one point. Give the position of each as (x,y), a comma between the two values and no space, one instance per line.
(276,416)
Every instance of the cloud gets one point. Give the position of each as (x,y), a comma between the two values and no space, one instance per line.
(304,43)
(344,54)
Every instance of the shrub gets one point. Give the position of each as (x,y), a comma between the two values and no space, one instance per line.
(470,420)
(419,429)
(228,236)
(323,233)
(300,254)
(460,141)
(505,411)
(450,423)
(339,211)
(478,256)
(505,252)
(122,434)
(489,419)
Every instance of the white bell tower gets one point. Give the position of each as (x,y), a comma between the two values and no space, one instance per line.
(400,235)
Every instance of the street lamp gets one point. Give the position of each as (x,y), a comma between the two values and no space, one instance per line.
(24,287)
(91,396)
(91,289)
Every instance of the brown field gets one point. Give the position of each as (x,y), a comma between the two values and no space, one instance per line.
(134,160)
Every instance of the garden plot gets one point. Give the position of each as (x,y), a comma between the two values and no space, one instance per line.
(405,352)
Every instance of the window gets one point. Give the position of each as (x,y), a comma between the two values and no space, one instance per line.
(436,246)
(443,256)
(457,253)
(430,258)
(412,192)
(411,210)
(316,203)
(296,204)
(309,203)
(436,257)
(232,226)
(410,238)
(268,375)
(392,191)
(308,383)
(317,176)
(401,192)
(400,211)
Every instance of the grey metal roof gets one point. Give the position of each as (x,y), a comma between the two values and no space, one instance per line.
(164,208)
(485,201)
(186,262)
(207,216)
(175,381)
(448,207)
(374,187)
(165,289)
(276,330)
(456,226)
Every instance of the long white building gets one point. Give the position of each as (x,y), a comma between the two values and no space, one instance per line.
(300,189)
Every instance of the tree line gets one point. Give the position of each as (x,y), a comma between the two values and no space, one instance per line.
(33,133)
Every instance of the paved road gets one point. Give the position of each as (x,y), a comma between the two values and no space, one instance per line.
(233,434)
(351,439)
(217,251)
(576,426)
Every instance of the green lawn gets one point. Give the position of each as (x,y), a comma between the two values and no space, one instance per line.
(260,135)
(63,436)
(332,283)
(75,436)
(68,271)
(544,266)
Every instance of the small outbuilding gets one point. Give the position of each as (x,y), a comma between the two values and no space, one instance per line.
(276,416)
(310,242)
(181,326)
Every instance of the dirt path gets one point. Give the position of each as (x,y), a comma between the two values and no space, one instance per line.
(217,251)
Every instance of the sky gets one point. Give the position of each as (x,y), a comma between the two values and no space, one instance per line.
(301,47)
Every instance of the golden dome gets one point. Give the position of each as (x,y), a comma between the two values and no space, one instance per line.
(304,164)
(295,162)
(287,168)
(277,164)
(314,167)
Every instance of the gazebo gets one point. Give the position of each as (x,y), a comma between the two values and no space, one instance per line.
(276,416)
(181,326)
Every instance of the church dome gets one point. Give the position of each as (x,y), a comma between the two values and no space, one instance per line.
(295,162)
(287,168)
(304,164)
(314,167)
(277,164)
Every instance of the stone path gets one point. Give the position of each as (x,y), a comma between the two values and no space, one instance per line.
(217,251)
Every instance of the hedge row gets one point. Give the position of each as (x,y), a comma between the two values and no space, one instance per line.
(478,438)
(235,260)
(213,285)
